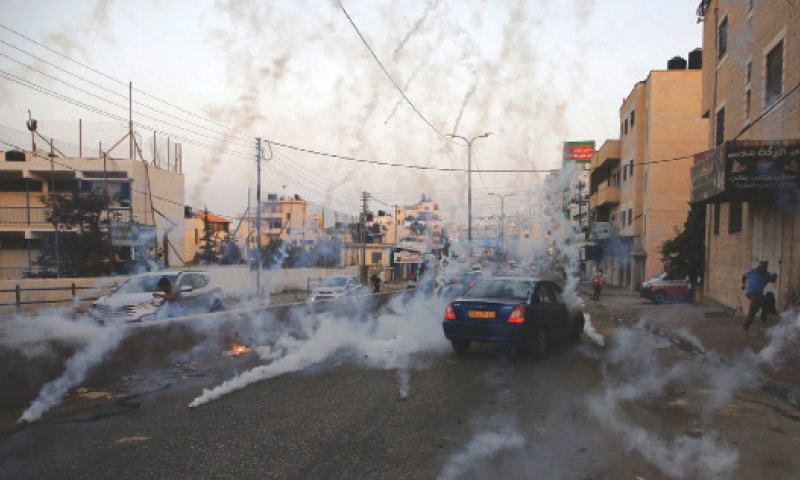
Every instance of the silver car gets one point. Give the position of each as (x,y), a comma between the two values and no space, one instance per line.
(133,301)
(336,286)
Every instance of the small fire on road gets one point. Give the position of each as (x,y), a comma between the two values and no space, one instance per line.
(236,350)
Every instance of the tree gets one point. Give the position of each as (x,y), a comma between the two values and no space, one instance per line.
(684,255)
(82,231)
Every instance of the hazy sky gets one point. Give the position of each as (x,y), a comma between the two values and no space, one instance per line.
(214,75)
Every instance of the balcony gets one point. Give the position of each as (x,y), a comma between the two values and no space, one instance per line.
(606,197)
(37,216)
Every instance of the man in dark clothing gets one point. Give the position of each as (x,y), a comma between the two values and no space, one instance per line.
(753,283)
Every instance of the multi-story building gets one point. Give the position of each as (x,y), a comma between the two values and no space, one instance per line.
(640,183)
(748,179)
(146,204)
(204,230)
(282,218)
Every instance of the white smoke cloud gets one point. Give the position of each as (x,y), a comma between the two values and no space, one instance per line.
(386,341)
(76,368)
(484,445)
(632,372)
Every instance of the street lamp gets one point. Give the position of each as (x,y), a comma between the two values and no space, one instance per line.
(469,183)
(502,216)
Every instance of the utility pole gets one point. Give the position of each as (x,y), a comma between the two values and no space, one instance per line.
(258,214)
(364,198)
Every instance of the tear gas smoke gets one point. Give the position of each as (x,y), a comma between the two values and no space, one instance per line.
(482,446)
(590,331)
(77,367)
(632,372)
(386,343)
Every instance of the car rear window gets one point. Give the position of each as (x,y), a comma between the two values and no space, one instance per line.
(495,288)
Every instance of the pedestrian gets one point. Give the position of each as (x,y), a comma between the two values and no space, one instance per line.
(753,283)
(376,283)
(169,295)
(597,284)
(689,289)
(167,291)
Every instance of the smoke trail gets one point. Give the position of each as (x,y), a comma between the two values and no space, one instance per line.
(76,368)
(482,446)
(631,373)
(469,95)
(590,331)
(387,344)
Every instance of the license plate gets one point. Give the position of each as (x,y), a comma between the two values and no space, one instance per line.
(481,314)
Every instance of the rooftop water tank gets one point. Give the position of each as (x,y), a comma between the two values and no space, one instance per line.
(696,59)
(676,63)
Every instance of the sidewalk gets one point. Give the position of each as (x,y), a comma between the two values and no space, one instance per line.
(718,328)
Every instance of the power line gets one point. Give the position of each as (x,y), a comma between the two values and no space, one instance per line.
(386,72)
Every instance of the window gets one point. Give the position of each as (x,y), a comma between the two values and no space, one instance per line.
(631,166)
(716,218)
(626,126)
(774,80)
(722,38)
(747,105)
(748,73)
(719,136)
(633,118)
(630,216)
(625,172)
(377,258)
(734,217)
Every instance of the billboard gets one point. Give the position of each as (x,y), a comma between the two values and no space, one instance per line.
(579,152)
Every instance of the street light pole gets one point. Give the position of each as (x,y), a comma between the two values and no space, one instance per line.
(469,183)
(502,217)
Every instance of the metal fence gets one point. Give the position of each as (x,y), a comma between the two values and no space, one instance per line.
(70,295)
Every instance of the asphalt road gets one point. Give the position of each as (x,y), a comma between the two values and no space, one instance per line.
(369,407)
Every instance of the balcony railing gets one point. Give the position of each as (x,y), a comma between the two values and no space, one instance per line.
(608,196)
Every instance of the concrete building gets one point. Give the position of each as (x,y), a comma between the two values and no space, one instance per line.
(283,218)
(195,224)
(640,183)
(748,178)
(146,205)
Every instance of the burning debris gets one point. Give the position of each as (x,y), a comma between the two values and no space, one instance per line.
(236,350)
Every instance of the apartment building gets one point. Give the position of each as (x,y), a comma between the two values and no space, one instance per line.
(146,204)
(197,238)
(748,177)
(640,183)
(285,218)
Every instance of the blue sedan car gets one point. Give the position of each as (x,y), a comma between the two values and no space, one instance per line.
(524,311)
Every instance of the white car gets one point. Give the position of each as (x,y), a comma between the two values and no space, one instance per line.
(336,286)
(133,301)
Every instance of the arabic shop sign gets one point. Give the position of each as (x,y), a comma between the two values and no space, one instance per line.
(741,167)
(759,167)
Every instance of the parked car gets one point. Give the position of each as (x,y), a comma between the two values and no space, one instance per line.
(336,286)
(524,311)
(133,301)
(665,288)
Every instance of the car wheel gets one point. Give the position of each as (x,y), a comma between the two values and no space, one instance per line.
(659,297)
(460,346)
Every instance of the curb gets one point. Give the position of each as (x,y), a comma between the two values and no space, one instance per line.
(781,391)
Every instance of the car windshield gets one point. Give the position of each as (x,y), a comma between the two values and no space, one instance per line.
(144,283)
(500,288)
(333,282)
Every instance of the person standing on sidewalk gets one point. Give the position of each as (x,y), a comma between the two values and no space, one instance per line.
(753,283)
(597,284)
